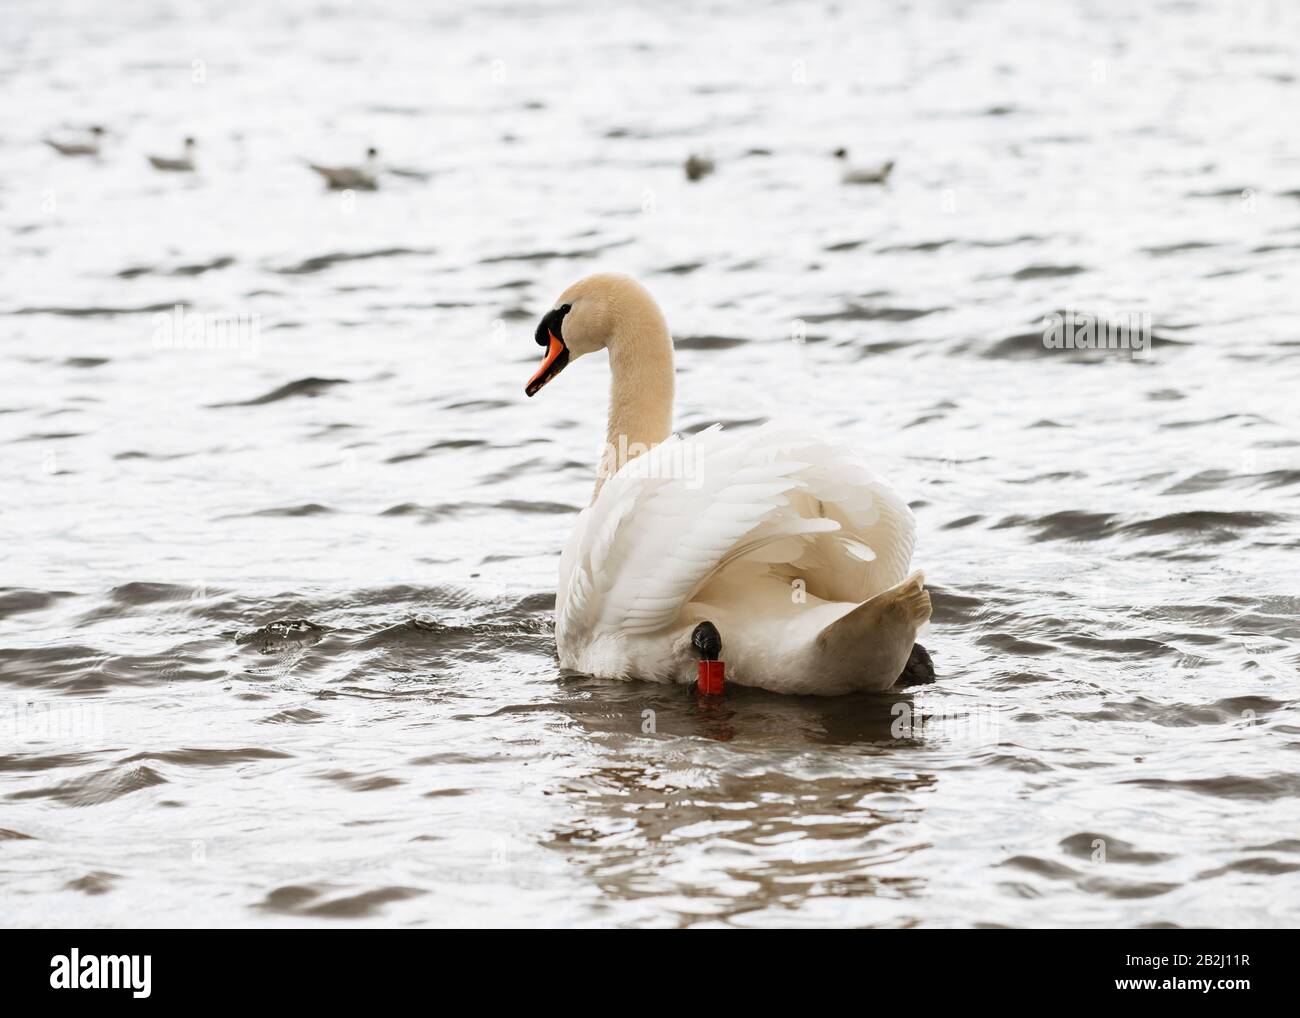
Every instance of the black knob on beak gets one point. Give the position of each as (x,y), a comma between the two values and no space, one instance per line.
(552,324)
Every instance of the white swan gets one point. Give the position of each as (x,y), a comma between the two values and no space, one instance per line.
(863,174)
(182,164)
(782,545)
(352,178)
(89,147)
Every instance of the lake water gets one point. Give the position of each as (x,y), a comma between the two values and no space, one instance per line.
(276,639)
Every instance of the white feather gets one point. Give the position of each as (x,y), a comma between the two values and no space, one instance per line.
(670,519)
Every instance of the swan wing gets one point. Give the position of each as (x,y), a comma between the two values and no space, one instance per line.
(672,518)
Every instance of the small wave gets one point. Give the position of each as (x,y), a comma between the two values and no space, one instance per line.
(447,444)
(921,247)
(97,310)
(1070,525)
(1077,525)
(950,607)
(1262,867)
(291,511)
(1047,271)
(210,757)
(430,514)
(137,454)
(1132,646)
(1114,887)
(94,882)
(1008,644)
(1031,345)
(298,716)
(526,506)
(1232,710)
(450,510)
(305,387)
(97,788)
(1221,480)
(302,900)
(141,592)
(196,269)
(1284,845)
(479,404)
(1206,524)
(361,782)
(49,436)
(550,255)
(1246,419)
(319,263)
(1161,250)
(708,342)
(1084,846)
(1230,786)
(862,313)
(1039,867)
(866,350)
(17,600)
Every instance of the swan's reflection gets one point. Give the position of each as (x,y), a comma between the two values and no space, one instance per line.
(753,808)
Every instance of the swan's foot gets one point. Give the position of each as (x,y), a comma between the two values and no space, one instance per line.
(919,670)
(707,641)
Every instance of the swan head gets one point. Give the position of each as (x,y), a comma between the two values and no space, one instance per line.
(582,321)
(189,144)
(841,153)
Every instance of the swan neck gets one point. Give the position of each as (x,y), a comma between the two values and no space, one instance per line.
(641,390)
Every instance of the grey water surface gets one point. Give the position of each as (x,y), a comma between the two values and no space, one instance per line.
(276,585)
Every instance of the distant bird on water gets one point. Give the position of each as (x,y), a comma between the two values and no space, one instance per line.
(87,147)
(183,164)
(863,174)
(698,166)
(352,178)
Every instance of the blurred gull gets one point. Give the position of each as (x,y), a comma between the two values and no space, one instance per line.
(183,164)
(698,166)
(863,174)
(87,147)
(352,178)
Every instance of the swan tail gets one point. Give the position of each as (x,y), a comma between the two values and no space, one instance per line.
(910,599)
(870,647)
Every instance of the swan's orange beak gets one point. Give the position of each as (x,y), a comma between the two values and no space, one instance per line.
(557,356)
